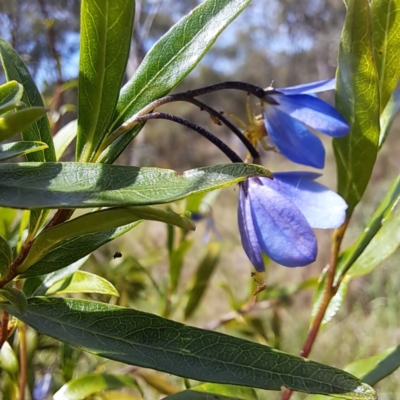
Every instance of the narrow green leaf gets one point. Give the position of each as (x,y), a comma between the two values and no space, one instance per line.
(169,61)
(86,185)
(382,365)
(372,369)
(176,258)
(14,297)
(203,275)
(385,17)
(15,122)
(5,257)
(83,282)
(357,98)
(382,246)
(95,222)
(10,95)
(64,137)
(106,27)
(72,250)
(38,285)
(388,114)
(153,342)
(15,69)
(211,391)
(351,254)
(9,361)
(10,150)
(87,385)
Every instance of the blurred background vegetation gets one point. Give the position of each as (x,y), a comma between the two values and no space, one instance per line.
(285,41)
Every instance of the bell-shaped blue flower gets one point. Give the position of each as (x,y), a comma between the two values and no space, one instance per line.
(290,112)
(277,216)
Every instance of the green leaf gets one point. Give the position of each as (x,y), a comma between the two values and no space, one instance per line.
(211,391)
(176,258)
(386,43)
(5,257)
(10,95)
(86,185)
(372,369)
(203,275)
(7,216)
(15,69)
(95,222)
(14,297)
(169,61)
(72,250)
(83,282)
(87,385)
(64,137)
(15,122)
(351,254)
(150,341)
(382,365)
(38,285)
(382,243)
(388,114)
(357,98)
(382,246)
(10,150)
(106,27)
(9,361)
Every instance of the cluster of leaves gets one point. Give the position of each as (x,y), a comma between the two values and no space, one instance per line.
(42,251)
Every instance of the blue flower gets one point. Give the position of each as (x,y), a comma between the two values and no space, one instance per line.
(277,216)
(290,111)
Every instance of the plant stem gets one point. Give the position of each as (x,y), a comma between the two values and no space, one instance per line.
(4,328)
(22,360)
(329,291)
(203,132)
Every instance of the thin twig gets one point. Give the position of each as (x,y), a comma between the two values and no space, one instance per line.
(254,153)
(203,132)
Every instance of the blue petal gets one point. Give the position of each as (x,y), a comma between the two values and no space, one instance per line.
(247,233)
(293,139)
(283,232)
(313,87)
(313,112)
(321,207)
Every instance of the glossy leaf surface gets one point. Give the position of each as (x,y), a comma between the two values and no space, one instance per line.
(15,69)
(94,222)
(83,282)
(10,150)
(385,17)
(13,123)
(72,250)
(170,60)
(10,94)
(357,99)
(84,185)
(150,341)
(64,137)
(106,27)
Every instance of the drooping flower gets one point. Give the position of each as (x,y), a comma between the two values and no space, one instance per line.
(277,216)
(289,113)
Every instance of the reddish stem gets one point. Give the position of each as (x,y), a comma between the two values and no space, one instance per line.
(330,290)
(4,328)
